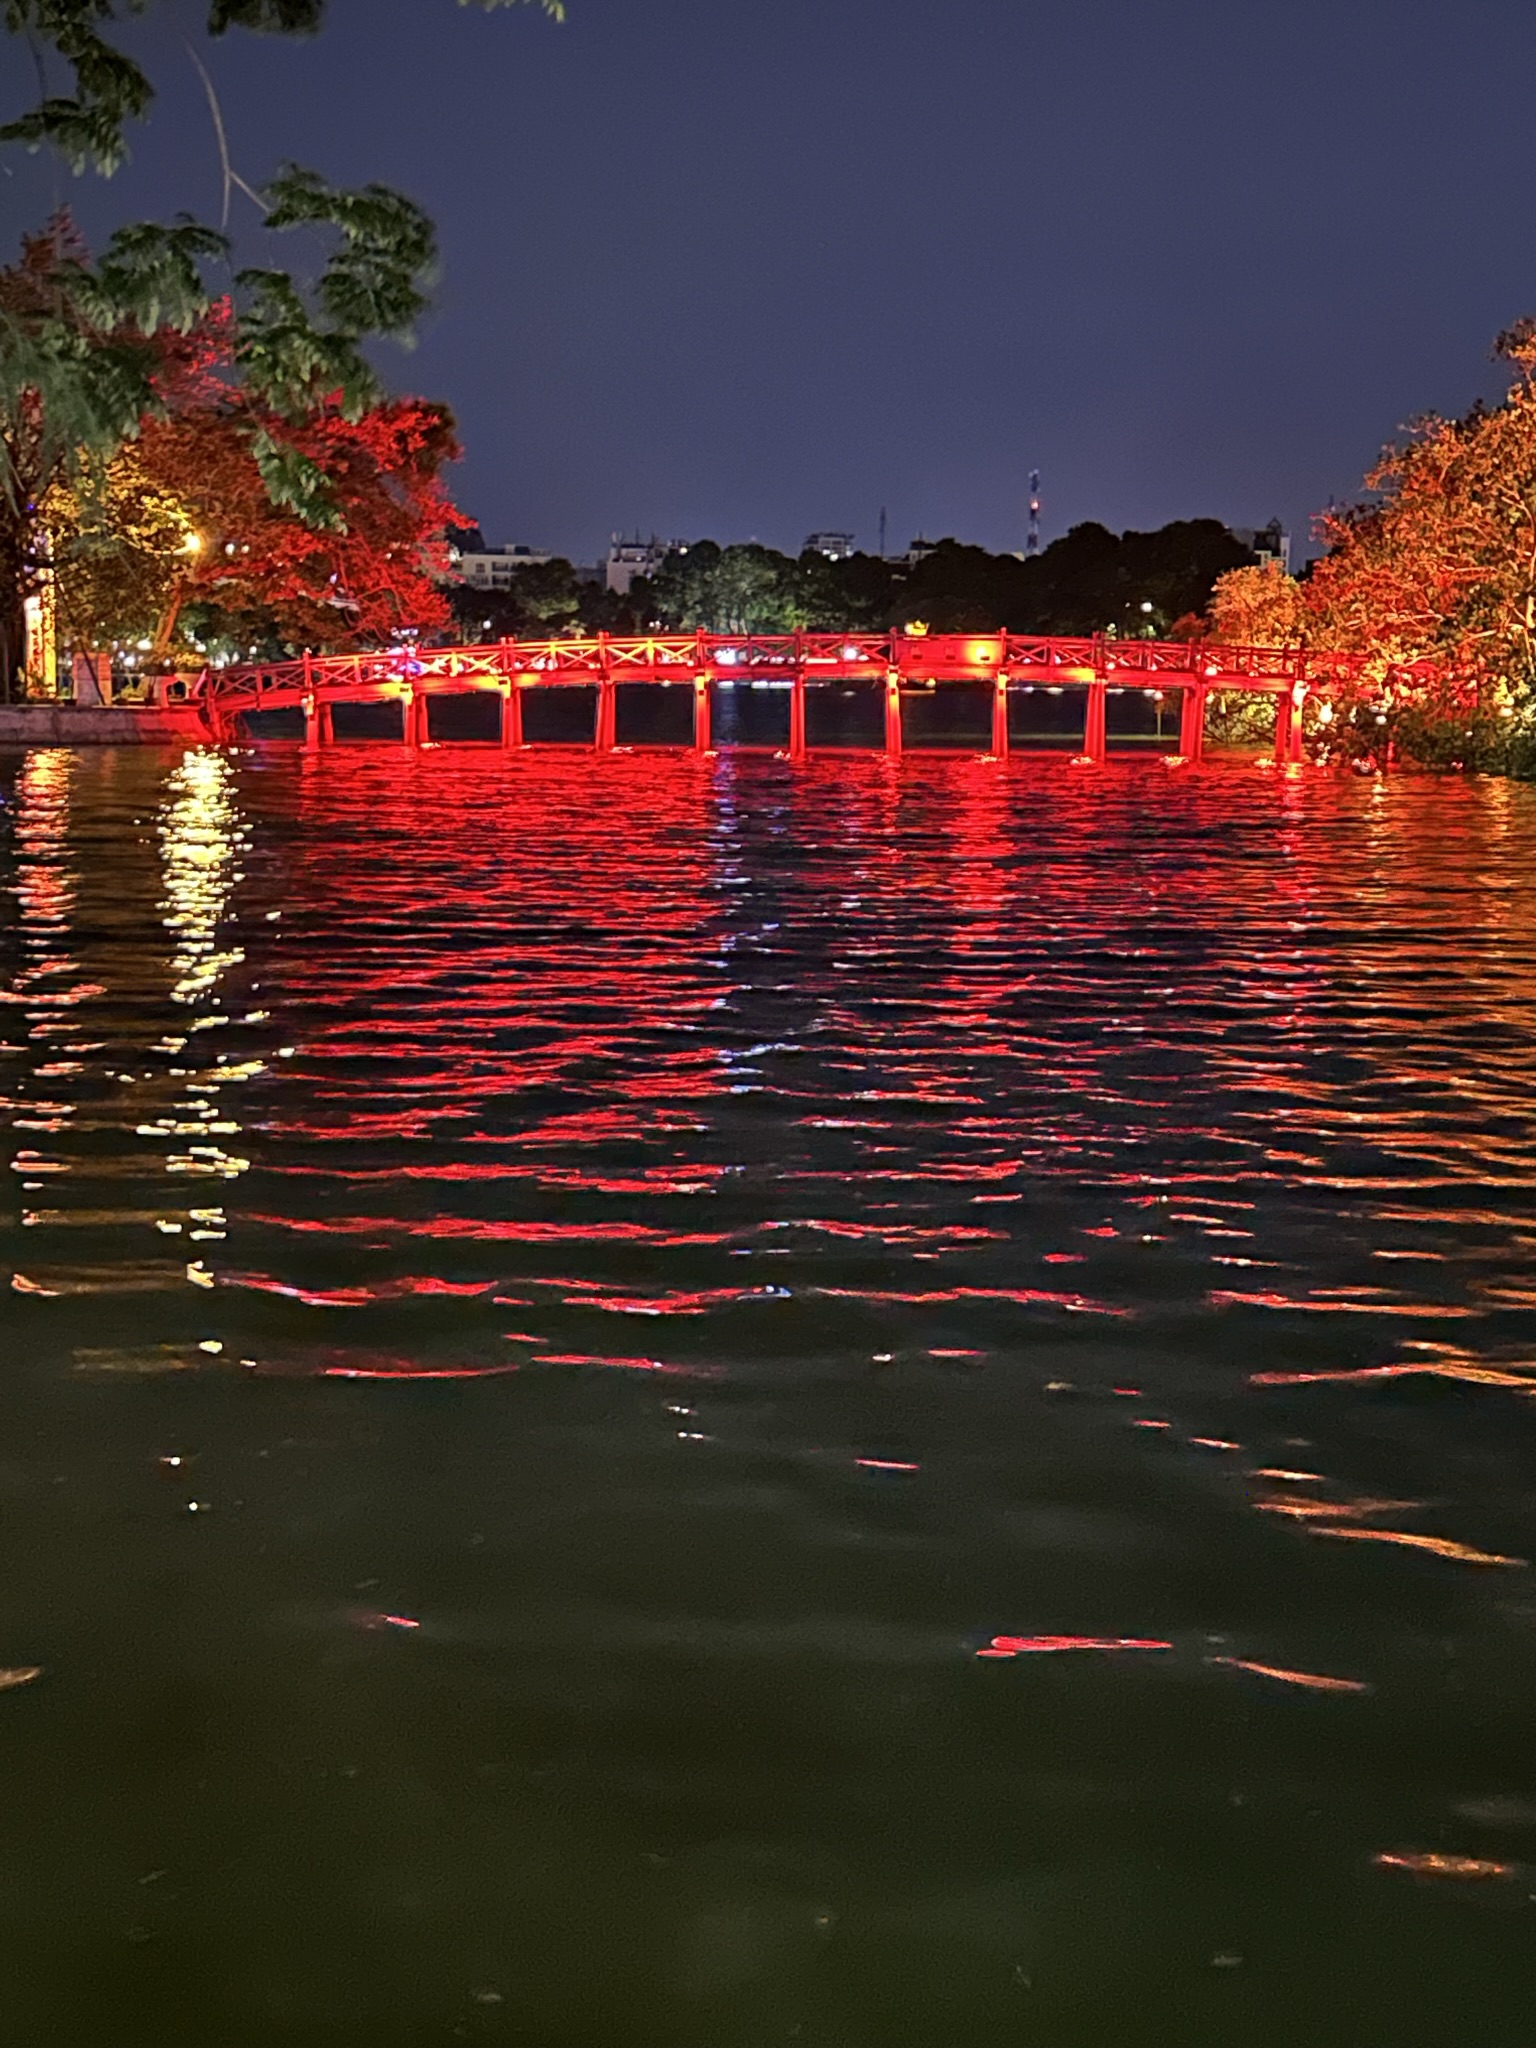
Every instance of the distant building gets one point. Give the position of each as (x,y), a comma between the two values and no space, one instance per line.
(464,538)
(1270,543)
(919,551)
(494,568)
(628,559)
(837,547)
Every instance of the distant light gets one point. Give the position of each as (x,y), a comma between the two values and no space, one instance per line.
(1146,604)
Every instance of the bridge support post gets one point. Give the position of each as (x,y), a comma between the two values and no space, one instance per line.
(1288,748)
(607,718)
(511,716)
(701,708)
(1000,718)
(893,713)
(1095,741)
(1192,722)
(311,725)
(797,717)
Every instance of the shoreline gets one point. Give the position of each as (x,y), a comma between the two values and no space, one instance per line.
(92,725)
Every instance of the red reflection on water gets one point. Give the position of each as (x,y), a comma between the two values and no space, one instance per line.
(1031,1646)
(1310,1681)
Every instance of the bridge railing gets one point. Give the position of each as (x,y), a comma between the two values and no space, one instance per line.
(802,663)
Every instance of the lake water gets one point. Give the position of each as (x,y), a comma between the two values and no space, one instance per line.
(671,1403)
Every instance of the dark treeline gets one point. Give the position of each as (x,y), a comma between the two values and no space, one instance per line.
(1090,581)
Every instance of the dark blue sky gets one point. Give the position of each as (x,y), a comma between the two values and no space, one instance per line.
(750,267)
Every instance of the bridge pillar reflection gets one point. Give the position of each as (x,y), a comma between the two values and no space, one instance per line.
(607,715)
(414,719)
(1192,722)
(797,718)
(893,712)
(1095,738)
(511,716)
(701,713)
(1000,718)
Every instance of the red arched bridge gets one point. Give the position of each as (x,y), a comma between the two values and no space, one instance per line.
(799,663)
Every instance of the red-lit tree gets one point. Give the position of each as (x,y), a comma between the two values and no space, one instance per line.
(359,574)
(177,540)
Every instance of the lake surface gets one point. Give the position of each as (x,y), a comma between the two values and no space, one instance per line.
(670,1403)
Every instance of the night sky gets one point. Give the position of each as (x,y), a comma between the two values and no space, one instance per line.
(712,267)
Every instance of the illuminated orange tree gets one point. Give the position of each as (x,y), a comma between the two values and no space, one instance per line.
(1439,566)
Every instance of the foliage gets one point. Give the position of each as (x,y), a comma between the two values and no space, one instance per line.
(85,351)
(1440,566)
(544,601)
(1089,581)
(1436,567)
(180,534)
(1260,606)
(742,589)
(110,89)
(81,348)
(119,538)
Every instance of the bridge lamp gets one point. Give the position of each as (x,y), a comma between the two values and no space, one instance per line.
(1325,714)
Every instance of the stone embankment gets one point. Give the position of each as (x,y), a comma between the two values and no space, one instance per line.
(91,725)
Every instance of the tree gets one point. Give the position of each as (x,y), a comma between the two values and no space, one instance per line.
(961,589)
(1258,606)
(180,543)
(78,347)
(1438,567)
(119,542)
(85,351)
(739,589)
(542,601)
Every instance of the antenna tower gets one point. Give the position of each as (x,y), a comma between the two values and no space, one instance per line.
(1032,538)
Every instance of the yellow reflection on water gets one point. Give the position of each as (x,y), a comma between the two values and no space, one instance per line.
(200,839)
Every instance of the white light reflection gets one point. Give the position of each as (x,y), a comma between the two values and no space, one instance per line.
(202,836)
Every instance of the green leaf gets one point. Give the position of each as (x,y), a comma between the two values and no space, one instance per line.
(293,480)
(110,88)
